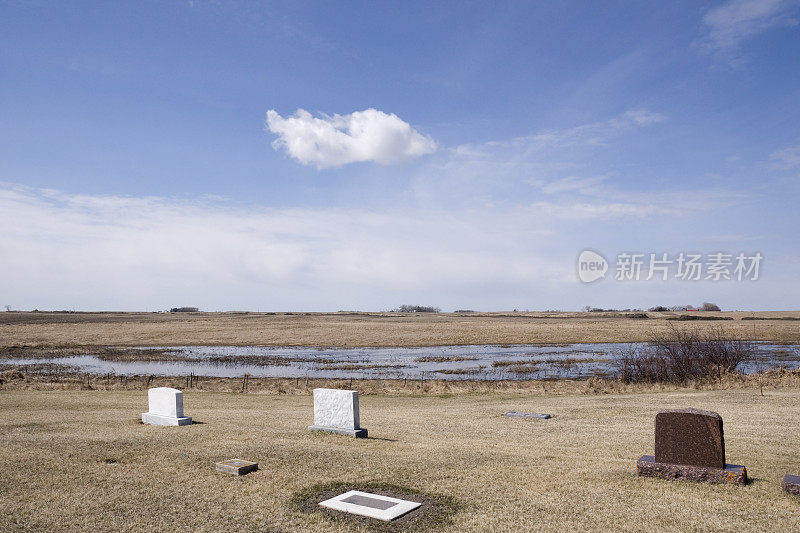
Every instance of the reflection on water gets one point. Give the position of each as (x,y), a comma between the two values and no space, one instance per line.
(576,361)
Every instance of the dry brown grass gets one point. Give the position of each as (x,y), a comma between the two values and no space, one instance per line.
(47,378)
(363,329)
(80,460)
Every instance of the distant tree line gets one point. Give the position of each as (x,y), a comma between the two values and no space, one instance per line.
(707,306)
(416,309)
(590,309)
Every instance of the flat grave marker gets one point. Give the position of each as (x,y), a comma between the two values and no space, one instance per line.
(372,505)
(791,484)
(517,414)
(237,467)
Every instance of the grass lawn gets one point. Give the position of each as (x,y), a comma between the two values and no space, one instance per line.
(80,460)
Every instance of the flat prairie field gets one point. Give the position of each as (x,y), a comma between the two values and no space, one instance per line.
(81,460)
(344,329)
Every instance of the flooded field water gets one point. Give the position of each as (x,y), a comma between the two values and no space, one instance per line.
(506,362)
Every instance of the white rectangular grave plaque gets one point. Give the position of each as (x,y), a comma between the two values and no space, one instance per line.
(372,505)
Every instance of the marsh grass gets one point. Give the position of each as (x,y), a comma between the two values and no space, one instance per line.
(17,379)
(444,359)
(343,365)
(527,368)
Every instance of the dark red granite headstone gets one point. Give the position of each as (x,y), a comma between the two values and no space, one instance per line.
(690,437)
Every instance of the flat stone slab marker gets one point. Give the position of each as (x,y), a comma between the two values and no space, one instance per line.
(237,467)
(372,505)
(516,414)
(791,484)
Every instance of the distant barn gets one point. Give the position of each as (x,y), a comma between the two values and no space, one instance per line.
(184,310)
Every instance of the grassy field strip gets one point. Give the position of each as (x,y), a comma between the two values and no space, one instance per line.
(80,459)
(368,329)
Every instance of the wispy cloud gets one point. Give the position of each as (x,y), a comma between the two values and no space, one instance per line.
(595,133)
(734,21)
(99,251)
(786,158)
(601,211)
(577,184)
(552,160)
(95,251)
(334,141)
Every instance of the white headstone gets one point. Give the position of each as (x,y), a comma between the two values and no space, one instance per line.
(165,408)
(336,411)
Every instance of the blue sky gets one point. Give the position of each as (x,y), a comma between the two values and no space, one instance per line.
(459,155)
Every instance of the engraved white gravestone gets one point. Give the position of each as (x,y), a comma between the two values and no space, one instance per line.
(165,408)
(336,411)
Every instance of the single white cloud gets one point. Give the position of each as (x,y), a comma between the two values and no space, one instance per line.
(369,135)
(735,20)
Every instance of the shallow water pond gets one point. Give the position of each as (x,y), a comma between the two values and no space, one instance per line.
(493,362)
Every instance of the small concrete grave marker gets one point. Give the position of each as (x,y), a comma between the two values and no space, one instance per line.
(516,414)
(336,411)
(165,408)
(791,484)
(372,505)
(690,445)
(237,467)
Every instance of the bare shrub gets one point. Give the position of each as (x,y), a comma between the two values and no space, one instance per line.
(680,355)
(708,306)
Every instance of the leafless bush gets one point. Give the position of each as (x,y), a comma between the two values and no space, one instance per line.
(708,306)
(680,355)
